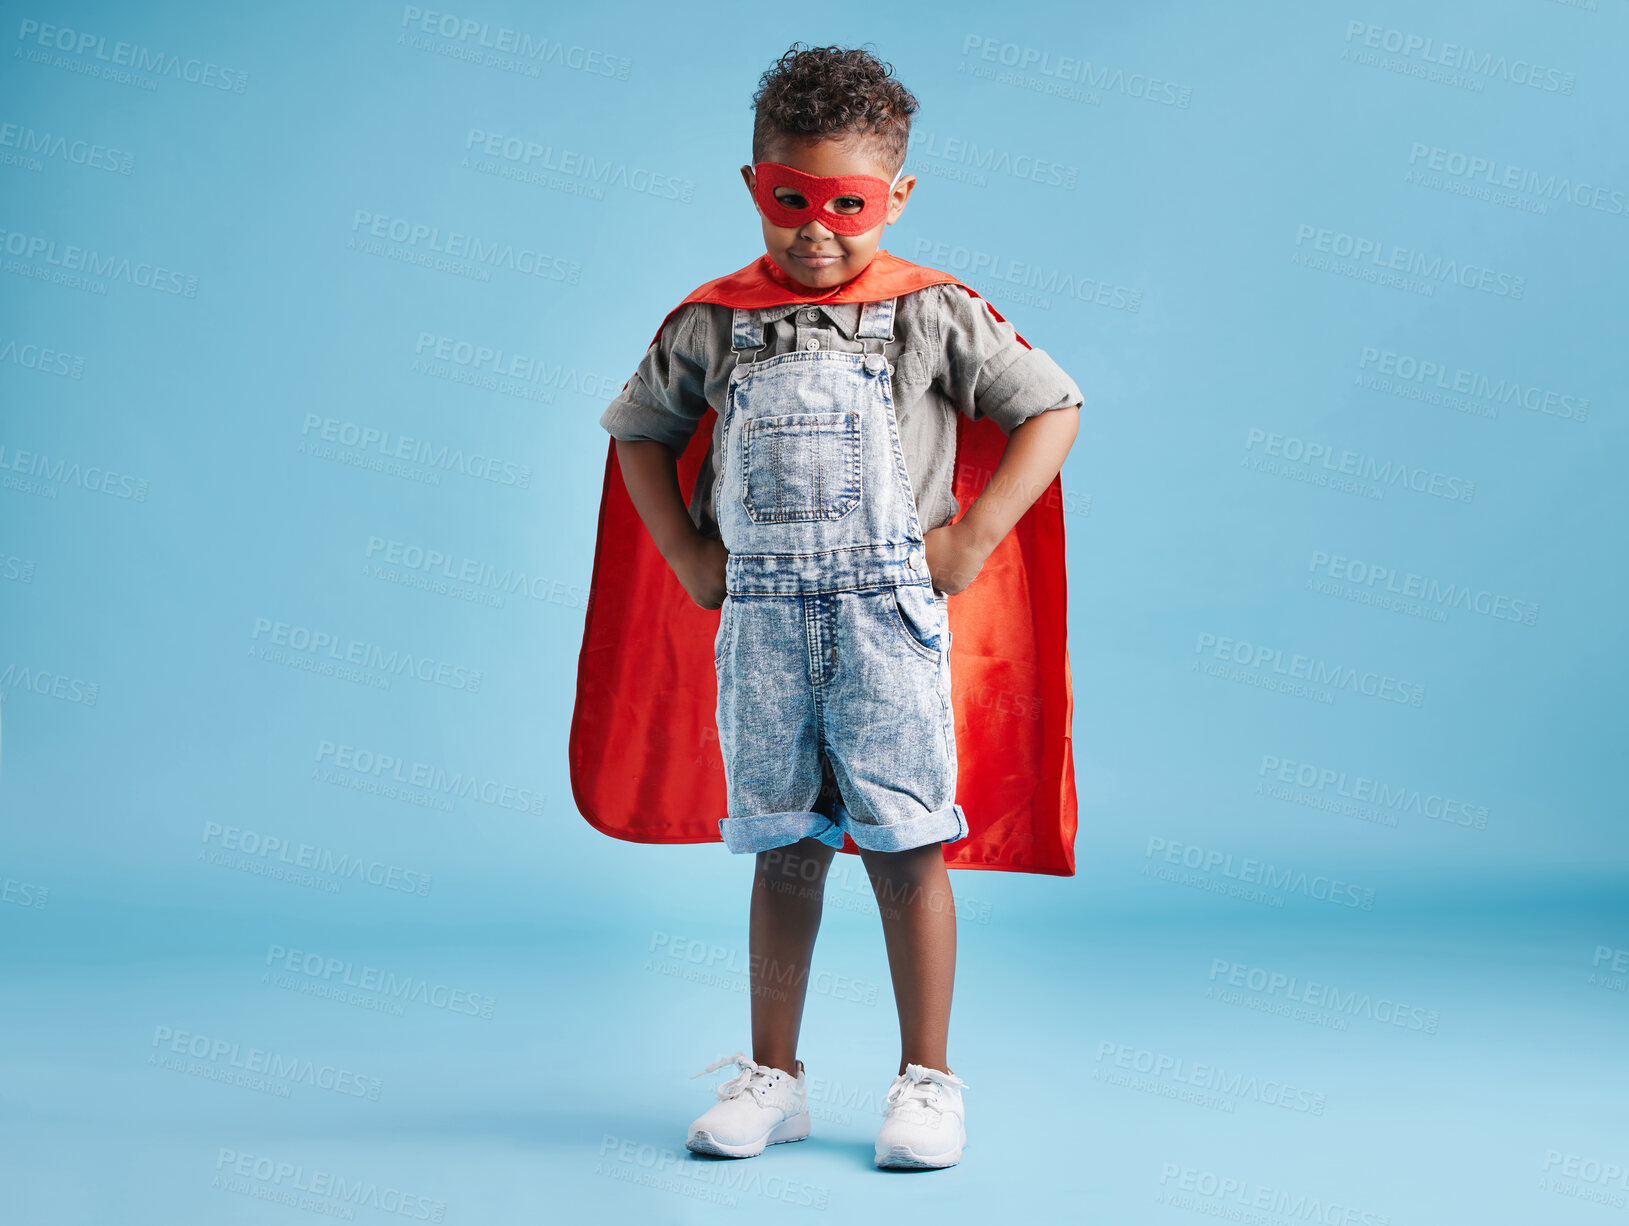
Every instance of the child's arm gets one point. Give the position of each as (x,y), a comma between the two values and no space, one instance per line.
(652,420)
(650,472)
(1034,455)
(986,371)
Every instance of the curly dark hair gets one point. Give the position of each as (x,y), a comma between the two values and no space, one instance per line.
(835,93)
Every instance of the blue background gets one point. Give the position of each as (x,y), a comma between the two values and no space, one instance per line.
(1212,257)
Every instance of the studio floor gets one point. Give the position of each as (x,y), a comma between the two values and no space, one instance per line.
(1176,1057)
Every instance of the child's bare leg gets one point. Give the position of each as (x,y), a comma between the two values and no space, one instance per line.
(788,890)
(919,927)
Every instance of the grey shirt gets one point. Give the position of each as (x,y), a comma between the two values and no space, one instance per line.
(949,355)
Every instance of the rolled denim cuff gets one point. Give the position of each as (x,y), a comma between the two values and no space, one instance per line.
(942,826)
(767,830)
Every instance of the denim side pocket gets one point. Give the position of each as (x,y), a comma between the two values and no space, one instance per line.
(721,639)
(917,616)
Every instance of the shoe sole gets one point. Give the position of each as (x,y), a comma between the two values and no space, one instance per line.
(904,1158)
(794,1128)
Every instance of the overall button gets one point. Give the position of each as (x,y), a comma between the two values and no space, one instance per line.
(874,362)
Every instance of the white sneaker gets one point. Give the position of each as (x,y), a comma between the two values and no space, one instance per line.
(926,1123)
(759,1106)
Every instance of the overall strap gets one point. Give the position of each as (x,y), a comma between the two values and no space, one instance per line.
(876,324)
(746,333)
(877,319)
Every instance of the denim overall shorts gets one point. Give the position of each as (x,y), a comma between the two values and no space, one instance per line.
(833,647)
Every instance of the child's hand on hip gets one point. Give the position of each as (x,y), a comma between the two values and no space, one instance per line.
(700,568)
(955,557)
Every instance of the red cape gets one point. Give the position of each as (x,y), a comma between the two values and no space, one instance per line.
(645,762)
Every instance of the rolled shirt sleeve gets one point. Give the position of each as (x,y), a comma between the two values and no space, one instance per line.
(986,371)
(666,397)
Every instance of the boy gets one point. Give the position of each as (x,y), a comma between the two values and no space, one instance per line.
(821,529)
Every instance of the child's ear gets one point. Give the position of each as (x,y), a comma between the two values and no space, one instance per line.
(748,176)
(897,207)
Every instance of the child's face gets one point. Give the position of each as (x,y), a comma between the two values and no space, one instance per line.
(812,254)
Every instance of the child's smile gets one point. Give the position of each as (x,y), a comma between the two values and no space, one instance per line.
(812,253)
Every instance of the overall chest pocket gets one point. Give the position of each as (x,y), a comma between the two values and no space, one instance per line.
(800,466)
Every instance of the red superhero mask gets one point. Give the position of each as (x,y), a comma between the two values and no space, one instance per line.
(818,191)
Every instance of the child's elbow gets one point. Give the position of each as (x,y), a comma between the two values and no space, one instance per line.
(1064,421)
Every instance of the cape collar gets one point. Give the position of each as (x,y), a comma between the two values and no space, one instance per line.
(762,283)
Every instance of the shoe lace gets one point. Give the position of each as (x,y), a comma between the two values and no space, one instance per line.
(919,1086)
(753,1076)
